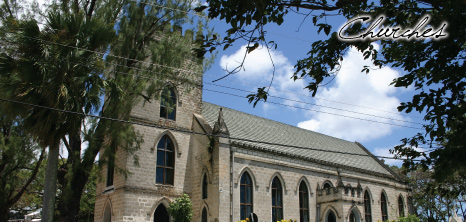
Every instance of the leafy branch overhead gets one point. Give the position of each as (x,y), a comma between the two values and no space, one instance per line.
(434,68)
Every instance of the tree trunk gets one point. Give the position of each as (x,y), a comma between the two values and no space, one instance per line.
(4,214)
(70,202)
(74,182)
(50,186)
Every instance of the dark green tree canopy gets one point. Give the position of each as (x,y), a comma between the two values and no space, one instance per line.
(435,68)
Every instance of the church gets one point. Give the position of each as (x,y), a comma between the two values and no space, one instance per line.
(232,164)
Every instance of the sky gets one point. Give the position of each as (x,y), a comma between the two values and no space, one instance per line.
(355,106)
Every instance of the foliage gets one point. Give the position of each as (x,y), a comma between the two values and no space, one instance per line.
(433,200)
(20,159)
(181,209)
(409,218)
(434,68)
(141,40)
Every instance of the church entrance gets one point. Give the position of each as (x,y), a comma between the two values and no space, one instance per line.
(161,214)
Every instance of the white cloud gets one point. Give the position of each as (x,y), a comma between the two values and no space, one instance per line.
(351,86)
(257,66)
(259,69)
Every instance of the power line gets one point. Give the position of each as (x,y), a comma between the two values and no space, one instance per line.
(281,104)
(292,37)
(189,71)
(299,101)
(145,77)
(223,92)
(194,132)
(315,97)
(115,56)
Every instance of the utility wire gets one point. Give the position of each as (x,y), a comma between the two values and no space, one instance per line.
(190,71)
(287,36)
(145,77)
(197,133)
(177,69)
(315,97)
(329,107)
(281,104)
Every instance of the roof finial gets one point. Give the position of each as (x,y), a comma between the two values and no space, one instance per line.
(220,126)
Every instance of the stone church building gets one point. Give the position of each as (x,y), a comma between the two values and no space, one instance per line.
(251,164)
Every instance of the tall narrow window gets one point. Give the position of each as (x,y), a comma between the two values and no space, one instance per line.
(168,103)
(401,207)
(111,165)
(204,186)
(204,215)
(245,196)
(352,217)
(410,205)
(107,213)
(165,161)
(367,207)
(383,205)
(277,200)
(303,203)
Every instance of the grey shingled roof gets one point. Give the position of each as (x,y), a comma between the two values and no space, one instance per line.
(247,126)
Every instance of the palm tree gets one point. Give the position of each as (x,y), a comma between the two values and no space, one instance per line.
(49,68)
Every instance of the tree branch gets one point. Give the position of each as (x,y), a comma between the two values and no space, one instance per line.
(13,200)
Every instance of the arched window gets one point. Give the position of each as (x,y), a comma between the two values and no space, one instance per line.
(161,214)
(383,205)
(367,207)
(327,185)
(168,103)
(165,161)
(410,205)
(107,213)
(303,202)
(277,200)
(204,186)
(331,217)
(204,215)
(354,215)
(245,196)
(401,206)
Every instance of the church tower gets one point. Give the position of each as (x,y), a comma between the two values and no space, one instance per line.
(168,167)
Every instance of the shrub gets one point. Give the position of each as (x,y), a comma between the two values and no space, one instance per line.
(181,209)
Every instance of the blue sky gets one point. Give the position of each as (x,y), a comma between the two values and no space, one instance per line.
(351,89)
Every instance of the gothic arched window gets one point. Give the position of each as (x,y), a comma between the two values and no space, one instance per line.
(165,161)
(303,202)
(245,196)
(204,186)
(401,206)
(383,205)
(204,215)
(168,103)
(277,200)
(107,213)
(367,207)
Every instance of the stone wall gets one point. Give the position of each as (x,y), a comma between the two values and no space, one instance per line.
(264,167)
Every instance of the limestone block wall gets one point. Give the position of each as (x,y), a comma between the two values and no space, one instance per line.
(136,197)
(263,167)
(200,162)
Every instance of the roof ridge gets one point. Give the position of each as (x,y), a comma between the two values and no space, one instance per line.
(299,128)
